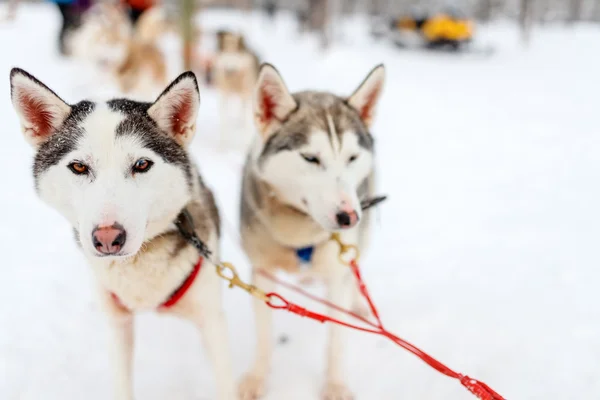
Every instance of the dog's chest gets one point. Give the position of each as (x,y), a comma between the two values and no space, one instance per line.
(149,279)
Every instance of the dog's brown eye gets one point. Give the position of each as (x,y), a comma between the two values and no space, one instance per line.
(311,159)
(352,158)
(142,165)
(78,168)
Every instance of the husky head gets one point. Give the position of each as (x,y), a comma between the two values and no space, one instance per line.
(315,149)
(117,170)
(107,27)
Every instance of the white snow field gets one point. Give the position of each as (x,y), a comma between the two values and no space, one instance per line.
(485,255)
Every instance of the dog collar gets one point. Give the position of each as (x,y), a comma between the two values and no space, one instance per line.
(305,254)
(177,293)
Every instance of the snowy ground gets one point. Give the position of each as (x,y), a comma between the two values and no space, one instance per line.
(486,254)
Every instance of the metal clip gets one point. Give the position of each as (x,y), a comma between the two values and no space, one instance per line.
(234,280)
(345,249)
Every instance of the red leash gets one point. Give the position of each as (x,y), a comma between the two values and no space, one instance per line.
(479,389)
(278,302)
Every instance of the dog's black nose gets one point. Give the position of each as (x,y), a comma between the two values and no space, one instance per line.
(343,219)
(109,239)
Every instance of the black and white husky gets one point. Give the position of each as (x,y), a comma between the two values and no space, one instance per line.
(119,171)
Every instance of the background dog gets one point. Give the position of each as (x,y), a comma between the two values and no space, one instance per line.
(234,72)
(129,56)
(305,177)
(119,171)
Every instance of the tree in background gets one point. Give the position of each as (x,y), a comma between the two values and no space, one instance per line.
(526,19)
(187,31)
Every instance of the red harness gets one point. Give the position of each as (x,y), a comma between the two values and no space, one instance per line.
(179,292)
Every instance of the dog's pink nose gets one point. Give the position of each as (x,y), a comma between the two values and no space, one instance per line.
(109,239)
(346,219)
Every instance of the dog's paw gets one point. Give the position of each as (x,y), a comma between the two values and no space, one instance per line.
(336,391)
(252,387)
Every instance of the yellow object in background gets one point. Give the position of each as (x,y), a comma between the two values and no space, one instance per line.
(445,28)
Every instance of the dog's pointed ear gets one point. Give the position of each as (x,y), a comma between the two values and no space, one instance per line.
(365,98)
(176,109)
(272,101)
(40,110)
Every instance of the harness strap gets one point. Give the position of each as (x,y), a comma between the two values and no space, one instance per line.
(182,290)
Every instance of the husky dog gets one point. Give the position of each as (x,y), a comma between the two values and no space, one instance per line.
(234,71)
(129,56)
(120,172)
(305,177)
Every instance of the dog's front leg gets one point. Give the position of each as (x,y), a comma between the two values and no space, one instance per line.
(253,385)
(213,326)
(121,329)
(339,292)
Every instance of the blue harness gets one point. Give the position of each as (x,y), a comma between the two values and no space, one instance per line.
(305,254)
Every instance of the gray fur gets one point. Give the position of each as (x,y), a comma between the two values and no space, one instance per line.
(63,141)
(252,198)
(311,112)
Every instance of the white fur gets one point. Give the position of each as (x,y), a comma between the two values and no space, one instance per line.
(327,188)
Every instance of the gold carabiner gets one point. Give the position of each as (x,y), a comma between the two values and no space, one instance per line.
(234,280)
(345,249)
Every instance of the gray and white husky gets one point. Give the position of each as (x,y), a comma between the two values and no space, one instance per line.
(308,171)
(119,171)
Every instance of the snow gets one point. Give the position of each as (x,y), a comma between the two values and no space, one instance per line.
(485,254)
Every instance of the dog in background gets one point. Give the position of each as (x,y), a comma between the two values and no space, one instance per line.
(144,58)
(233,73)
(310,167)
(120,173)
(128,55)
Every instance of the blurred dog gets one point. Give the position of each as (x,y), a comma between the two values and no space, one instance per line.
(233,73)
(120,173)
(311,166)
(145,68)
(129,55)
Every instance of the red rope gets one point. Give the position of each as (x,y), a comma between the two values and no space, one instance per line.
(276,301)
(308,295)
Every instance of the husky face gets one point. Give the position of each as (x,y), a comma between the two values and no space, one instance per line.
(109,29)
(316,149)
(118,171)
